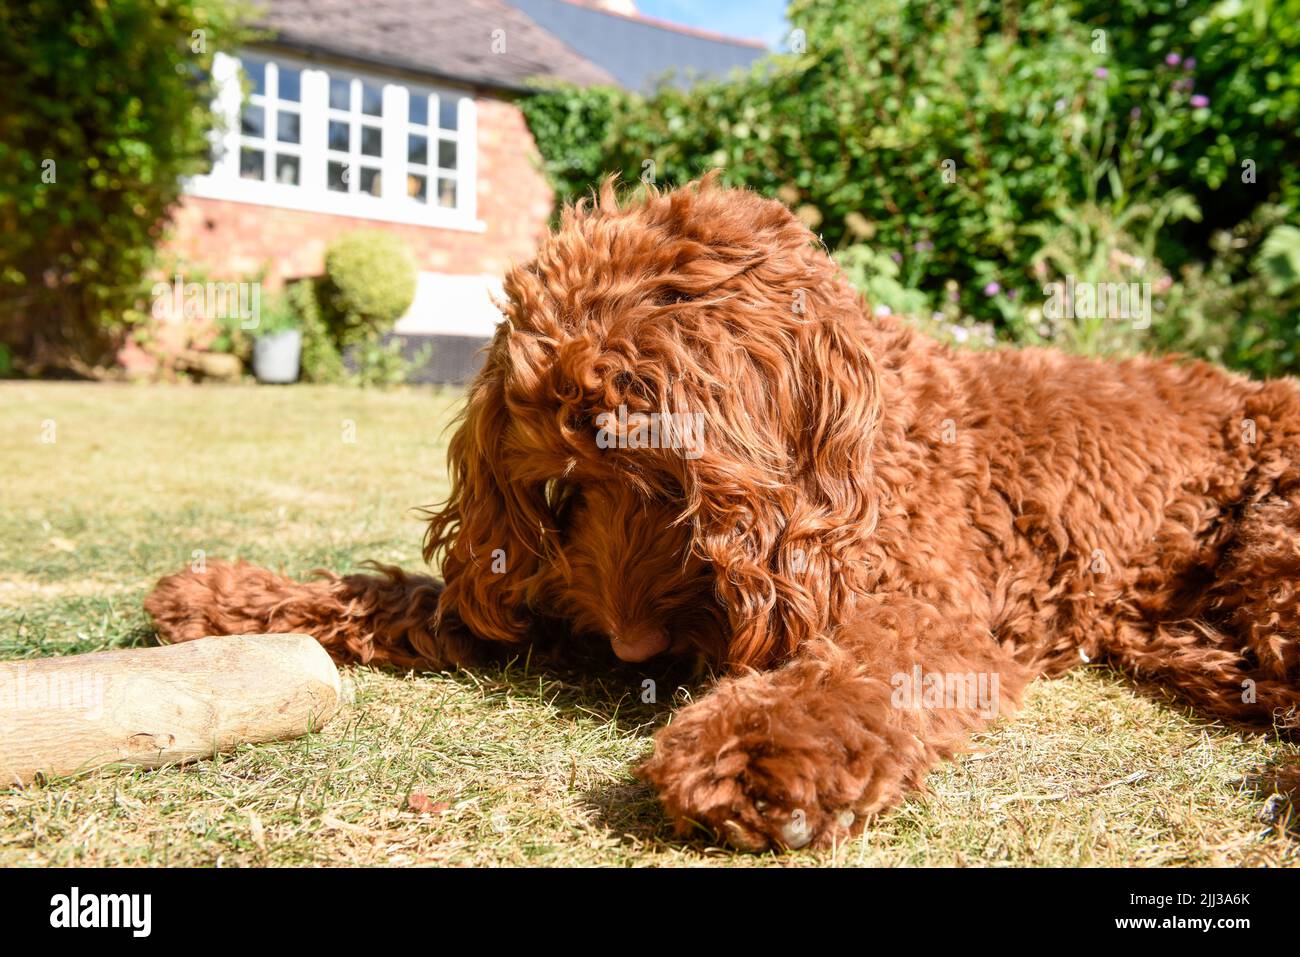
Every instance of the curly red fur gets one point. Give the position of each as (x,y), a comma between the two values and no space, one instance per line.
(384,619)
(864,507)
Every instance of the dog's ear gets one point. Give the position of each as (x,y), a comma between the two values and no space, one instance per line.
(488,534)
(782,495)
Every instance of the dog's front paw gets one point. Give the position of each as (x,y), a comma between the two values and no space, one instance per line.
(769,767)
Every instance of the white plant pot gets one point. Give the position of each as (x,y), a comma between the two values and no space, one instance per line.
(275,358)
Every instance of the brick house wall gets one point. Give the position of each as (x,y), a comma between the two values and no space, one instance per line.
(231,240)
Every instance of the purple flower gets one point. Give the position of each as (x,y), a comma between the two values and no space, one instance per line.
(1101,73)
(924,246)
(1200,101)
(1189,64)
(1135,114)
(896,257)
(1012,293)
(1173,59)
(992,289)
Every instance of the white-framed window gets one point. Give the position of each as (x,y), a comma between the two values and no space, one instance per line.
(433,149)
(355,137)
(327,138)
(270,123)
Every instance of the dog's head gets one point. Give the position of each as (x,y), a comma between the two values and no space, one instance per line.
(669,443)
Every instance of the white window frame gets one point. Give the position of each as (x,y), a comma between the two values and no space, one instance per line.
(435,134)
(269,143)
(312,194)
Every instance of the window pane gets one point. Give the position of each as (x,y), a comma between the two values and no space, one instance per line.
(286,127)
(370,180)
(338,136)
(340,93)
(417,187)
(286,169)
(420,109)
(290,84)
(252,121)
(252,164)
(447,113)
(371,137)
(447,154)
(256,72)
(372,100)
(417,150)
(337,178)
(447,192)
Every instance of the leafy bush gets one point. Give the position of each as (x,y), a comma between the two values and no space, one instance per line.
(960,155)
(878,278)
(294,307)
(571,126)
(369,359)
(105,108)
(231,337)
(321,360)
(1279,259)
(930,131)
(381,362)
(1242,57)
(369,283)
(1241,307)
(279,313)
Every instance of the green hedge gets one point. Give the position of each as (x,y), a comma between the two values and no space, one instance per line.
(985,149)
(103,108)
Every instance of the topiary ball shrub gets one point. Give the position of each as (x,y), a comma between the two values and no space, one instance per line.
(369,283)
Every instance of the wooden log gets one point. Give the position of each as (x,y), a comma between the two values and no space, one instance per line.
(147,707)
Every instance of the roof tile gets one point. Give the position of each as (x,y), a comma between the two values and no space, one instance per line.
(451,39)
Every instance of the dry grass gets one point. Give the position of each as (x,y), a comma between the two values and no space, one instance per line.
(518,766)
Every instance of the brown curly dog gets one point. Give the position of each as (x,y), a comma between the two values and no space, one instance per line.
(689,437)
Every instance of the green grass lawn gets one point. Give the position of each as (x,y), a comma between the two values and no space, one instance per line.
(519,766)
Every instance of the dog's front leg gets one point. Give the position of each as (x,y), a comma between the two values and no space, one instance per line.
(805,753)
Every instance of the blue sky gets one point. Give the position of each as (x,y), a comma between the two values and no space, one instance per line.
(756,19)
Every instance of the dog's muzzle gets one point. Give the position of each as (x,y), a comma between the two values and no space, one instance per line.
(639,644)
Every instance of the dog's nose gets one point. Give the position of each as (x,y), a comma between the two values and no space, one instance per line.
(640,643)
